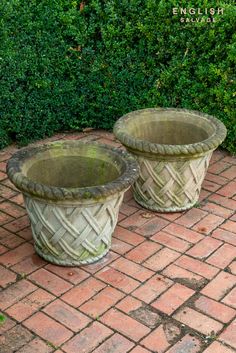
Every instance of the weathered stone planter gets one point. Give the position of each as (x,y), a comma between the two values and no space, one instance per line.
(72,192)
(173,148)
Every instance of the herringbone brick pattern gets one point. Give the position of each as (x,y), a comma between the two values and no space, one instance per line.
(168,285)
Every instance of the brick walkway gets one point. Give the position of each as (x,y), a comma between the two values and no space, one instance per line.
(167,285)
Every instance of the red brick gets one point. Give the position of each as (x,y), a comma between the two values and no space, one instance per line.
(218,167)
(198,321)
(189,278)
(217,347)
(6,325)
(127,236)
(191,217)
(6,276)
(128,195)
(86,340)
(143,251)
(223,201)
(16,255)
(36,346)
(223,256)
(3,166)
(216,179)
(224,235)
(120,247)
(228,190)
(135,220)
(70,274)
(2,176)
(228,336)
(233,218)
(15,292)
(229,159)
(229,173)
(232,268)
(4,155)
(50,282)
(9,184)
(30,304)
(125,325)
(157,340)
(5,218)
(116,343)
(108,142)
(151,227)
(208,223)
(18,199)
(230,226)
(30,264)
(101,302)
(152,288)
(197,266)
(129,304)
(104,262)
(161,259)
(210,186)
(169,216)
(12,209)
(171,241)
(203,195)
(26,233)
(13,340)
(204,248)
(230,298)
(127,210)
(3,249)
(132,269)
(139,349)
(219,286)
(12,241)
(6,192)
(4,233)
(18,224)
(117,279)
(187,344)
(183,233)
(48,329)
(217,210)
(173,298)
(214,309)
(83,292)
(66,315)
(39,298)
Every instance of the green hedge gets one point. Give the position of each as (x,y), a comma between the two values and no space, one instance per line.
(71,64)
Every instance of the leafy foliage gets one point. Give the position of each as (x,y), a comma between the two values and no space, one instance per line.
(67,64)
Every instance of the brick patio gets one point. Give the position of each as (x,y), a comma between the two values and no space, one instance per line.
(167,285)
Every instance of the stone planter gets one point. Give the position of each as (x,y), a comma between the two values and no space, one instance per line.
(173,148)
(72,192)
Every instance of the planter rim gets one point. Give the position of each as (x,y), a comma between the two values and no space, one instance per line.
(54,193)
(144,146)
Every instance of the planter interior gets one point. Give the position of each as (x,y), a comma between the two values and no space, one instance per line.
(170,128)
(173,148)
(84,168)
(72,192)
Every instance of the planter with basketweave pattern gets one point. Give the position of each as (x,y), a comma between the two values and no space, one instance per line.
(72,192)
(173,148)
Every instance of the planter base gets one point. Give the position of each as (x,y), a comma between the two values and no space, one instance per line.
(154,207)
(56,261)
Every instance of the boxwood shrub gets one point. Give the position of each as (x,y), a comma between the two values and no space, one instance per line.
(68,64)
